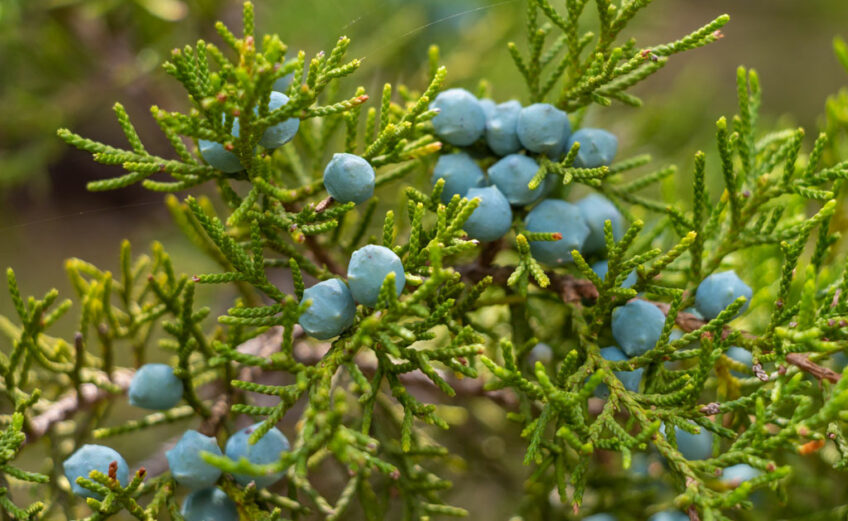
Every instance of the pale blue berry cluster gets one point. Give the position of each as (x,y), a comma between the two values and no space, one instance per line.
(332,308)
(220,155)
(518,135)
(189,469)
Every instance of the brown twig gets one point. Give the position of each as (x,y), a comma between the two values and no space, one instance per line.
(264,345)
(801,361)
(570,288)
(322,257)
(69,404)
(324,204)
(689,322)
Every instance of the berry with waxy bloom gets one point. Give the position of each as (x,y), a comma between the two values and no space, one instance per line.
(209,504)
(543,128)
(492,218)
(187,465)
(280,133)
(596,210)
(367,270)
(94,457)
(736,474)
(488,106)
(502,128)
(461,120)
(600,517)
(218,156)
(602,266)
(741,355)
(718,291)
(349,178)
(332,310)
(266,450)
(556,216)
(629,379)
(460,173)
(597,147)
(693,446)
(669,515)
(637,326)
(154,386)
(512,174)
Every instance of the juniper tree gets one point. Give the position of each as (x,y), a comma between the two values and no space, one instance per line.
(493,321)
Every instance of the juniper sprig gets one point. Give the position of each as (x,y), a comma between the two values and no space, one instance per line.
(351,331)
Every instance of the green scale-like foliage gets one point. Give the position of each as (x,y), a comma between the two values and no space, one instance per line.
(354,403)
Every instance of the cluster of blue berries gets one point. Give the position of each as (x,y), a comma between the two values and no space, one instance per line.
(207,502)
(188,468)
(155,386)
(508,128)
(333,302)
(637,325)
(221,157)
(515,133)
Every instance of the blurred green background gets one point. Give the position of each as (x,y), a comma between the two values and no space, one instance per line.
(65,62)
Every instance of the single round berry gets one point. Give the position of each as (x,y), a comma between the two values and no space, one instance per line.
(641,463)
(460,173)
(596,209)
(693,311)
(718,291)
(155,387)
(209,504)
(694,446)
(278,135)
(597,147)
(266,450)
(741,355)
(601,267)
(282,83)
(332,310)
(543,128)
(186,464)
(349,178)
(629,379)
(669,515)
(512,174)
(556,216)
(219,157)
(367,270)
(600,517)
(541,352)
(488,106)
(94,457)
(736,474)
(637,326)
(502,128)
(492,218)
(461,120)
